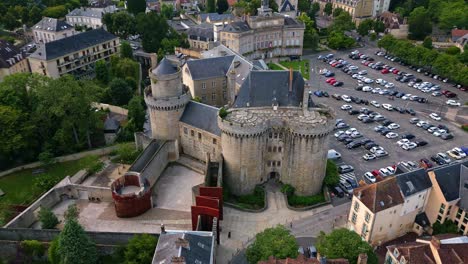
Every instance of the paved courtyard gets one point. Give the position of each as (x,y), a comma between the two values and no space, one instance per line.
(243,225)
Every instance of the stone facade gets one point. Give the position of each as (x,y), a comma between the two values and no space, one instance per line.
(198,143)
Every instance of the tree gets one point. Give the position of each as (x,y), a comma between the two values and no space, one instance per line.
(222,6)
(342,22)
(47,218)
(448,227)
(53,255)
(126,50)
(453,50)
(15,133)
(372,36)
(379,26)
(120,92)
(419,23)
(136,113)
(427,43)
(136,6)
(33,249)
(74,245)
(303,6)
(71,213)
(210,6)
(55,11)
(152,28)
(276,241)
(338,40)
(314,9)
(337,11)
(167,11)
(35,15)
(332,176)
(121,24)
(453,15)
(102,71)
(344,243)
(365,26)
(328,9)
(140,249)
(10,22)
(311,38)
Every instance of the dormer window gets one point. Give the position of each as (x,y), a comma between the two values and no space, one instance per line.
(396,253)
(402,260)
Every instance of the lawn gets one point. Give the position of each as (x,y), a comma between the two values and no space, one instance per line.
(303,201)
(19,187)
(302,65)
(274,67)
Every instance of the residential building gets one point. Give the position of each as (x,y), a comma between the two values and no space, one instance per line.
(201,37)
(176,246)
(391,208)
(457,33)
(213,18)
(358,9)
(12,60)
(301,259)
(380,6)
(88,17)
(462,42)
(449,197)
(264,36)
(440,249)
(74,55)
(50,29)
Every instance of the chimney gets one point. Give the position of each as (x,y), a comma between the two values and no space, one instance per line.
(362,258)
(163,229)
(182,242)
(177,260)
(435,242)
(290,79)
(154,60)
(359,194)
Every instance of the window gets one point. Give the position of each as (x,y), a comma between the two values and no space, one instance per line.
(274,149)
(276,135)
(269,149)
(278,163)
(356,206)
(203,98)
(353,218)
(364,231)
(224,82)
(199,136)
(442,209)
(213,84)
(439,218)
(192,133)
(367,218)
(185,131)
(214,141)
(270,135)
(203,85)
(280,149)
(213,96)
(396,253)
(269,163)
(390,225)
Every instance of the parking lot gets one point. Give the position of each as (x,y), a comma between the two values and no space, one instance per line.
(450,115)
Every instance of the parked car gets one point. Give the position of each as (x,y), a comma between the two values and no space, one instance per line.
(370,177)
(338,191)
(345,169)
(425,163)
(369,156)
(435,116)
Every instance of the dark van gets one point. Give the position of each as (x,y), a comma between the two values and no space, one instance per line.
(338,192)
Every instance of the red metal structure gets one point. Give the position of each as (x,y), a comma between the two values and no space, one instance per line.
(130,202)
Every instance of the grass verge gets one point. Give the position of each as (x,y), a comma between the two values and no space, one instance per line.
(302,66)
(303,201)
(253,201)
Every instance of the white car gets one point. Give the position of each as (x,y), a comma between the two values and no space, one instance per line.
(409,146)
(454,154)
(356,134)
(444,157)
(439,132)
(376,90)
(422,123)
(406,97)
(355,76)
(391,135)
(362,116)
(369,156)
(350,131)
(366,89)
(375,149)
(338,133)
(389,85)
(459,152)
(453,103)
(381,153)
(435,116)
(346,107)
(333,154)
(363,72)
(401,142)
(375,103)
(391,169)
(346,98)
(379,81)
(393,126)
(388,107)
(370,177)
(384,172)
(432,129)
(368,80)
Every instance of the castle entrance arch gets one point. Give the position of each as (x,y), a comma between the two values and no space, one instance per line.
(273,175)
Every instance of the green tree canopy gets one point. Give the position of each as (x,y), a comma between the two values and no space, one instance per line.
(136,6)
(74,245)
(328,10)
(427,43)
(343,243)
(311,37)
(379,26)
(332,176)
(140,249)
(448,227)
(419,23)
(453,50)
(102,71)
(314,9)
(136,113)
(120,92)
(304,6)
(152,28)
(365,26)
(55,11)
(222,6)
(210,6)
(121,24)
(342,22)
(453,15)
(338,40)
(276,241)
(126,50)
(47,218)
(167,11)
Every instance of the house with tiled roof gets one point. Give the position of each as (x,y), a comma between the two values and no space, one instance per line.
(458,33)
(440,249)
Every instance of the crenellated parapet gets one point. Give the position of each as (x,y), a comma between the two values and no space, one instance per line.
(166,104)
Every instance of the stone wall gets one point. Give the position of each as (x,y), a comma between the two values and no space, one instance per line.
(198,146)
(164,155)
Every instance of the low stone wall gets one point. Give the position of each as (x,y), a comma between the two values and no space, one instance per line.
(75,156)
(113,108)
(306,208)
(235,206)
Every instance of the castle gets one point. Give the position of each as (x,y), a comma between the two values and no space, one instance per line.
(271,129)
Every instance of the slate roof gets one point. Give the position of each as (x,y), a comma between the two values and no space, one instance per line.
(262,87)
(381,195)
(448,178)
(111,124)
(413,182)
(165,67)
(92,12)
(9,54)
(199,248)
(422,220)
(204,32)
(464,186)
(52,24)
(145,157)
(291,23)
(285,5)
(77,42)
(210,67)
(202,116)
(414,253)
(237,26)
(213,17)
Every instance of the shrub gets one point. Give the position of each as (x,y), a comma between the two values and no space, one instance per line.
(448,227)
(44,182)
(47,218)
(140,249)
(332,176)
(465,127)
(302,201)
(287,189)
(223,112)
(276,241)
(32,248)
(95,166)
(46,158)
(127,153)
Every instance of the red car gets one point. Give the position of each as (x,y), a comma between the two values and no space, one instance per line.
(367,63)
(332,82)
(329,80)
(449,94)
(395,71)
(425,163)
(375,173)
(334,64)
(385,71)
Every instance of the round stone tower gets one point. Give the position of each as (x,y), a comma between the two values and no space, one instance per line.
(166,99)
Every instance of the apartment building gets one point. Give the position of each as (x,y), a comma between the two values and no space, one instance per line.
(201,37)
(89,17)
(12,60)
(449,197)
(389,209)
(358,9)
(264,36)
(74,55)
(50,29)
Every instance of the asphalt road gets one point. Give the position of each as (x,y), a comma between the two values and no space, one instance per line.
(435,104)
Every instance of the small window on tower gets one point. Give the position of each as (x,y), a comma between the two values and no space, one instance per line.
(199,135)
(214,141)
(192,133)
(185,131)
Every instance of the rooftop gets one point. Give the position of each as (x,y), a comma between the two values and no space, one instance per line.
(209,67)
(215,17)
(263,88)
(448,179)
(413,182)
(203,31)
(52,24)
(201,116)
(413,252)
(62,47)
(237,26)
(9,54)
(381,195)
(286,6)
(92,12)
(165,67)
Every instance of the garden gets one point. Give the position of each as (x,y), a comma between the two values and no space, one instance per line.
(254,201)
(302,66)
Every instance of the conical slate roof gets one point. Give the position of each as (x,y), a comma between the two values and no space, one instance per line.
(165,67)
